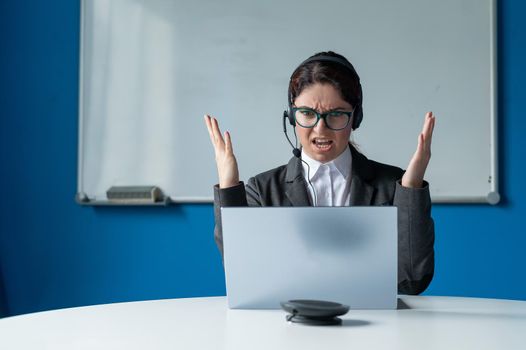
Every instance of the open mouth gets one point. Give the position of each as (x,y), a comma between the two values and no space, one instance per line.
(322,144)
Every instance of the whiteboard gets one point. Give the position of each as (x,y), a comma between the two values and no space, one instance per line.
(150,70)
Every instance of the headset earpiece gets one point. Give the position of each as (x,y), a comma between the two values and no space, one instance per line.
(357,117)
(288,115)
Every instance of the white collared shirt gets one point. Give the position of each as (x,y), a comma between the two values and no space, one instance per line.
(332,180)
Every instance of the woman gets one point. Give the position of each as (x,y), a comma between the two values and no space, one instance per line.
(325,105)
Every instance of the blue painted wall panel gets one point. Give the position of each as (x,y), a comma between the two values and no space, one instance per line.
(54,253)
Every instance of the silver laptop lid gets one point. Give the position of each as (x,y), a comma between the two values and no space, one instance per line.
(341,254)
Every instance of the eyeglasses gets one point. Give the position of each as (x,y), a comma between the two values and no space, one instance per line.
(308,118)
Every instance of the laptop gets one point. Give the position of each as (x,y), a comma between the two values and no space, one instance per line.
(341,254)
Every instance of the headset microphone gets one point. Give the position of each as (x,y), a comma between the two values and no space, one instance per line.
(297,153)
(295,150)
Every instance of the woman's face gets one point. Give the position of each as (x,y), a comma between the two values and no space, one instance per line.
(321,143)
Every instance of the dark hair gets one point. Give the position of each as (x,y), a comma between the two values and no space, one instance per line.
(336,74)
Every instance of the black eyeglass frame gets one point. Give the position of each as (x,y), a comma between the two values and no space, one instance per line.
(319,116)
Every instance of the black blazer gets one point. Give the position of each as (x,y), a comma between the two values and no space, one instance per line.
(372,183)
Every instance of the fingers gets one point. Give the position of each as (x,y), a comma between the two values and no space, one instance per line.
(209,128)
(427,123)
(214,132)
(415,172)
(218,138)
(427,130)
(421,142)
(426,136)
(432,128)
(228,142)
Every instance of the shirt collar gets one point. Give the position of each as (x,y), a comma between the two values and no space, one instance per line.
(342,163)
(311,167)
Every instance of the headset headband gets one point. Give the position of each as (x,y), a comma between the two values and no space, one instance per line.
(329,59)
(358,112)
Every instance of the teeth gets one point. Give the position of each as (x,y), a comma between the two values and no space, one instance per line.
(322,143)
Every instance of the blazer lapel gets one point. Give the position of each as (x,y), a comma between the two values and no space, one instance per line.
(362,192)
(295,185)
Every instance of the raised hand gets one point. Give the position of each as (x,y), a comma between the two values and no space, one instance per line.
(225,160)
(414,175)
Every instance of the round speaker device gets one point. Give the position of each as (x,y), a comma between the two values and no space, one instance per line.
(314,312)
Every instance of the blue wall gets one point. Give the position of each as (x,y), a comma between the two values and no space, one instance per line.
(55,254)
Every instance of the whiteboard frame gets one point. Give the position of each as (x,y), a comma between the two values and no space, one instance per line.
(81,197)
(493,197)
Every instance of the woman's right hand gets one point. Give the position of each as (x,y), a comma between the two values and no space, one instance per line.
(226,161)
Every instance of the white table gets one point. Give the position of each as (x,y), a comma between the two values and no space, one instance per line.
(207,323)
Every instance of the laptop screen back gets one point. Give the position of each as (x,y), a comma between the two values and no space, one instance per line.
(341,254)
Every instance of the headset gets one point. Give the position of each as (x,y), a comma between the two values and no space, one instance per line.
(357,113)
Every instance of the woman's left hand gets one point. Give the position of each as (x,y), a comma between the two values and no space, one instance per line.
(414,175)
